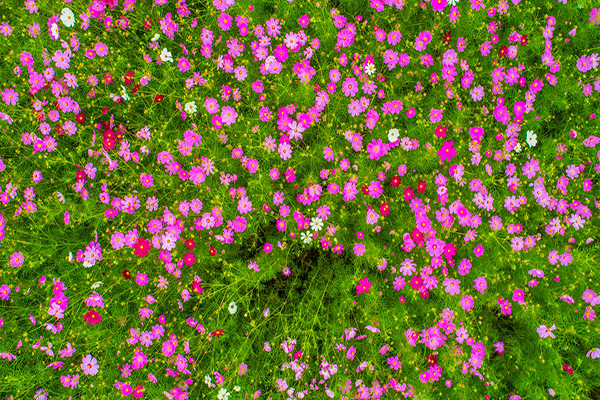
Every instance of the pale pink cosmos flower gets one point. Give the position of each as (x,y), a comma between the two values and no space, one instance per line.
(544,331)
(595,353)
(89,365)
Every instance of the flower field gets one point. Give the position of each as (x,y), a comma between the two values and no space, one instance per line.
(299,199)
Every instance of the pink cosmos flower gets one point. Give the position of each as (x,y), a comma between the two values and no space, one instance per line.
(480,284)
(394,363)
(101,49)
(4,292)
(350,87)
(350,353)
(244,205)
(435,115)
(359,249)
(452,286)
(499,347)
(467,303)
(10,97)
(16,259)
(61,59)
(228,115)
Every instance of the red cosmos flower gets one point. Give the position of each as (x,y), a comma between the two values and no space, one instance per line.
(408,194)
(422,186)
(440,131)
(218,333)
(432,360)
(104,111)
(424,293)
(141,247)
(449,250)
(416,282)
(158,98)
(395,182)
(81,176)
(447,37)
(138,392)
(190,244)
(60,130)
(196,288)
(503,51)
(384,209)
(147,23)
(92,317)
(524,40)
(126,274)
(129,78)
(80,118)
(189,259)
(135,88)
(365,190)
(212,251)
(417,236)
(568,368)
(108,144)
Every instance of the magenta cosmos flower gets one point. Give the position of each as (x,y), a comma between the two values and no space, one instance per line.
(363,286)
(447,152)
(479,250)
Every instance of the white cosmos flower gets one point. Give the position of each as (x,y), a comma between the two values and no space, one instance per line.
(316,224)
(54,30)
(165,55)
(67,17)
(370,69)
(223,394)
(306,237)
(190,107)
(531,138)
(155,38)
(124,94)
(393,135)
(232,307)
(518,148)
(96,285)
